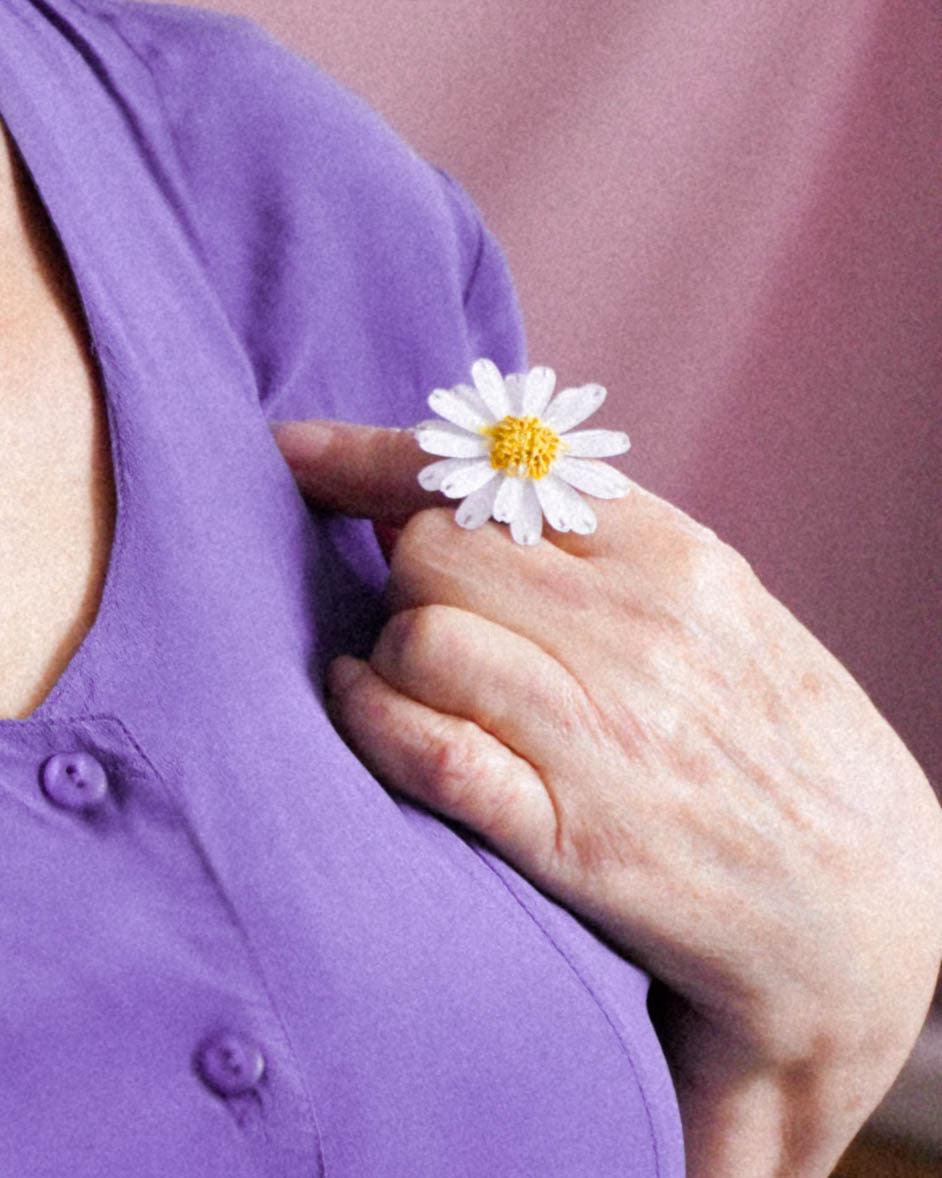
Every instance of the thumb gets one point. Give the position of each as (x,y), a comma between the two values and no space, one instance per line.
(360,470)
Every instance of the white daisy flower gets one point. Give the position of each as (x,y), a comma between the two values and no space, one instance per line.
(509,453)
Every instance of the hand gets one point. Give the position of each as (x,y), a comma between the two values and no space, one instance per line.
(638,726)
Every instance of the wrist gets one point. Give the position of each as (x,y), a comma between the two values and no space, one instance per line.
(745,1115)
(765,1126)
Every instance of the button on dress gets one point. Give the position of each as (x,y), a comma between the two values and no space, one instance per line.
(225,948)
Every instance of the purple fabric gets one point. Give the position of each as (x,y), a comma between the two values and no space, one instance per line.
(240,955)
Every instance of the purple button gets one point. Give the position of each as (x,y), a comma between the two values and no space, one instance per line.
(74,780)
(230,1064)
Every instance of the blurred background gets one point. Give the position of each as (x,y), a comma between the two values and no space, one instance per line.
(728,213)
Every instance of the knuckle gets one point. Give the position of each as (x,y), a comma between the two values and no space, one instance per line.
(421,528)
(456,762)
(736,564)
(708,565)
(707,554)
(421,555)
(705,586)
(415,637)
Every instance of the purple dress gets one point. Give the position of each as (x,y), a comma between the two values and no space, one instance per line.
(225,948)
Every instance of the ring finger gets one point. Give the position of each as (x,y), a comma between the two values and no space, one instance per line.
(465,665)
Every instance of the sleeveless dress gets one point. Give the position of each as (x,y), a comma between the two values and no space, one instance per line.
(225,948)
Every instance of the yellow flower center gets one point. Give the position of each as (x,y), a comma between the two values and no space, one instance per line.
(522,446)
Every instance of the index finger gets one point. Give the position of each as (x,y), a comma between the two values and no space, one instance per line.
(360,470)
(372,471)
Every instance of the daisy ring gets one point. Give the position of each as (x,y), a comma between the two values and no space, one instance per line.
(508,453)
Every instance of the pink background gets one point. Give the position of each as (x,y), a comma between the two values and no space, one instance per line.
(729,214)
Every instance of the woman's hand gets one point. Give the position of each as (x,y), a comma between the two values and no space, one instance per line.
(637,725)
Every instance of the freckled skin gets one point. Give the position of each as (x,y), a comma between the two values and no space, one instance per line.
(653,738)
(723,800)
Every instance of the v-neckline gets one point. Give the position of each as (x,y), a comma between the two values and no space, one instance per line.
(49,170)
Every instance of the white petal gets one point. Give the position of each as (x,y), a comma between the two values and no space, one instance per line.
(430,477)
(441,437)
(476,509)
(565,508)
(490,384)
(433,477)
(540,382)
(595,443)
(449,403)
(513,383)
(462,482)
(526,527)
(470,394)
(593,477)
(570,406)
(509,496)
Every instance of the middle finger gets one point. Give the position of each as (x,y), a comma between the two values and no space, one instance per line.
(540,592)
(464,665)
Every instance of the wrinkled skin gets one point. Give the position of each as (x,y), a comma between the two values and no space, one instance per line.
(641,728)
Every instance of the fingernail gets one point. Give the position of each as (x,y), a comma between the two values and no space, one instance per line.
(343,672)
(303,440)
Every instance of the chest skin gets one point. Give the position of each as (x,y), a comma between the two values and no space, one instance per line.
(57,502)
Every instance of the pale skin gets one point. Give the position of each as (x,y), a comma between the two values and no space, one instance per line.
(628,717)
(57,502)
(640,727)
